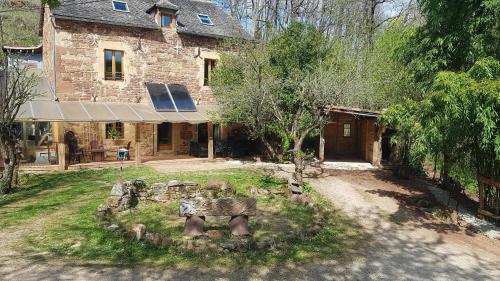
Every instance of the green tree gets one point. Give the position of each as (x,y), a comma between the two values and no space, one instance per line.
(408,140)
(52,3)
(386,80)
(459,122)
(283,90)
(455,35)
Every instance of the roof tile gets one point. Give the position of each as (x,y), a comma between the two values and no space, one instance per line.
(101,11)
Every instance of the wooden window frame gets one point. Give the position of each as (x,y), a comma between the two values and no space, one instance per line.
(207,71)
(113,126)
(113,76)
(344,130)
(169,16)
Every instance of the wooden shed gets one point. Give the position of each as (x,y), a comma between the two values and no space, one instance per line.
(352,135)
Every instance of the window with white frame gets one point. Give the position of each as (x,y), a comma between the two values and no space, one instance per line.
(120,6)
(204,19)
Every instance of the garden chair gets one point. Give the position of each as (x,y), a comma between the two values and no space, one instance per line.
(97,149)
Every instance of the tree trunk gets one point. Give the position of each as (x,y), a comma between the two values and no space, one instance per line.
(446,169)
(270,149)
(298,161)
(9,158)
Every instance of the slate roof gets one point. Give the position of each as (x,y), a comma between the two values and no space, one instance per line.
(101,11)
(223,24)
(165,4)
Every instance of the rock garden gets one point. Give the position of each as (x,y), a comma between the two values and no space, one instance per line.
(212,216)
(230,217)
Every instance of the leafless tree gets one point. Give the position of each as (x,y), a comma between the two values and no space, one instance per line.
(16,88)
(356,21)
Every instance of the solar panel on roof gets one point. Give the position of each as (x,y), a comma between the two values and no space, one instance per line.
(181,97)
(160,97)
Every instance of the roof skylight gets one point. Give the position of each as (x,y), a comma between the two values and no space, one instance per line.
(204,19)
(120,6)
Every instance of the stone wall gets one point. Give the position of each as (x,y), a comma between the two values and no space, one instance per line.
(48,46)
(149,56)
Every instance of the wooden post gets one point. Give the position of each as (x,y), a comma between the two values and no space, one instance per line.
(210,140)
(58,137)
(321,146)
(137,145)
(155,139)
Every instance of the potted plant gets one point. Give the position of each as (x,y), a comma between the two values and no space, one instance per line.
(115,135)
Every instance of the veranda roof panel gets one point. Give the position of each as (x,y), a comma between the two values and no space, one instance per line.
(172,117)
(46,110)
(99,112)
(194,117)
(147,114)
(124,113)
(73,111)
(25,113)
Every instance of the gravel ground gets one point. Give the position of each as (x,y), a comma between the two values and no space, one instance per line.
(489,229)
(413,248)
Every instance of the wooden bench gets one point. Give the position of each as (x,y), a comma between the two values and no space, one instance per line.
(195,212)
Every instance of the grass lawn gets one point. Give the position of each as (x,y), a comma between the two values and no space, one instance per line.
(56,215)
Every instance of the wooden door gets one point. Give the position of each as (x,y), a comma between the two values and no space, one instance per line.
(329,135)
(165,136)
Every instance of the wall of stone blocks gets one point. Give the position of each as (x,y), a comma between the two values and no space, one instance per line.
(149,56)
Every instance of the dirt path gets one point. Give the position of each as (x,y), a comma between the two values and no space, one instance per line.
(406,243)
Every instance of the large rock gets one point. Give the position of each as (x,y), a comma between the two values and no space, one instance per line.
(221,184)
(159,192)
(239,226)
(174,189)
(103,213)
(123,203)
(138,231)
(194,226)
(119,190)
(113,227)
(173,183)
(294,187)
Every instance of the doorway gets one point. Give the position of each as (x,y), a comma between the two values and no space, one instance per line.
(164,136)
(203,133)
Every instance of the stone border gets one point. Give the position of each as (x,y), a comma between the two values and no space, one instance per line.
(129,193)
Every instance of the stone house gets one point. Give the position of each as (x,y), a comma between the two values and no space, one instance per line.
(134,74)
